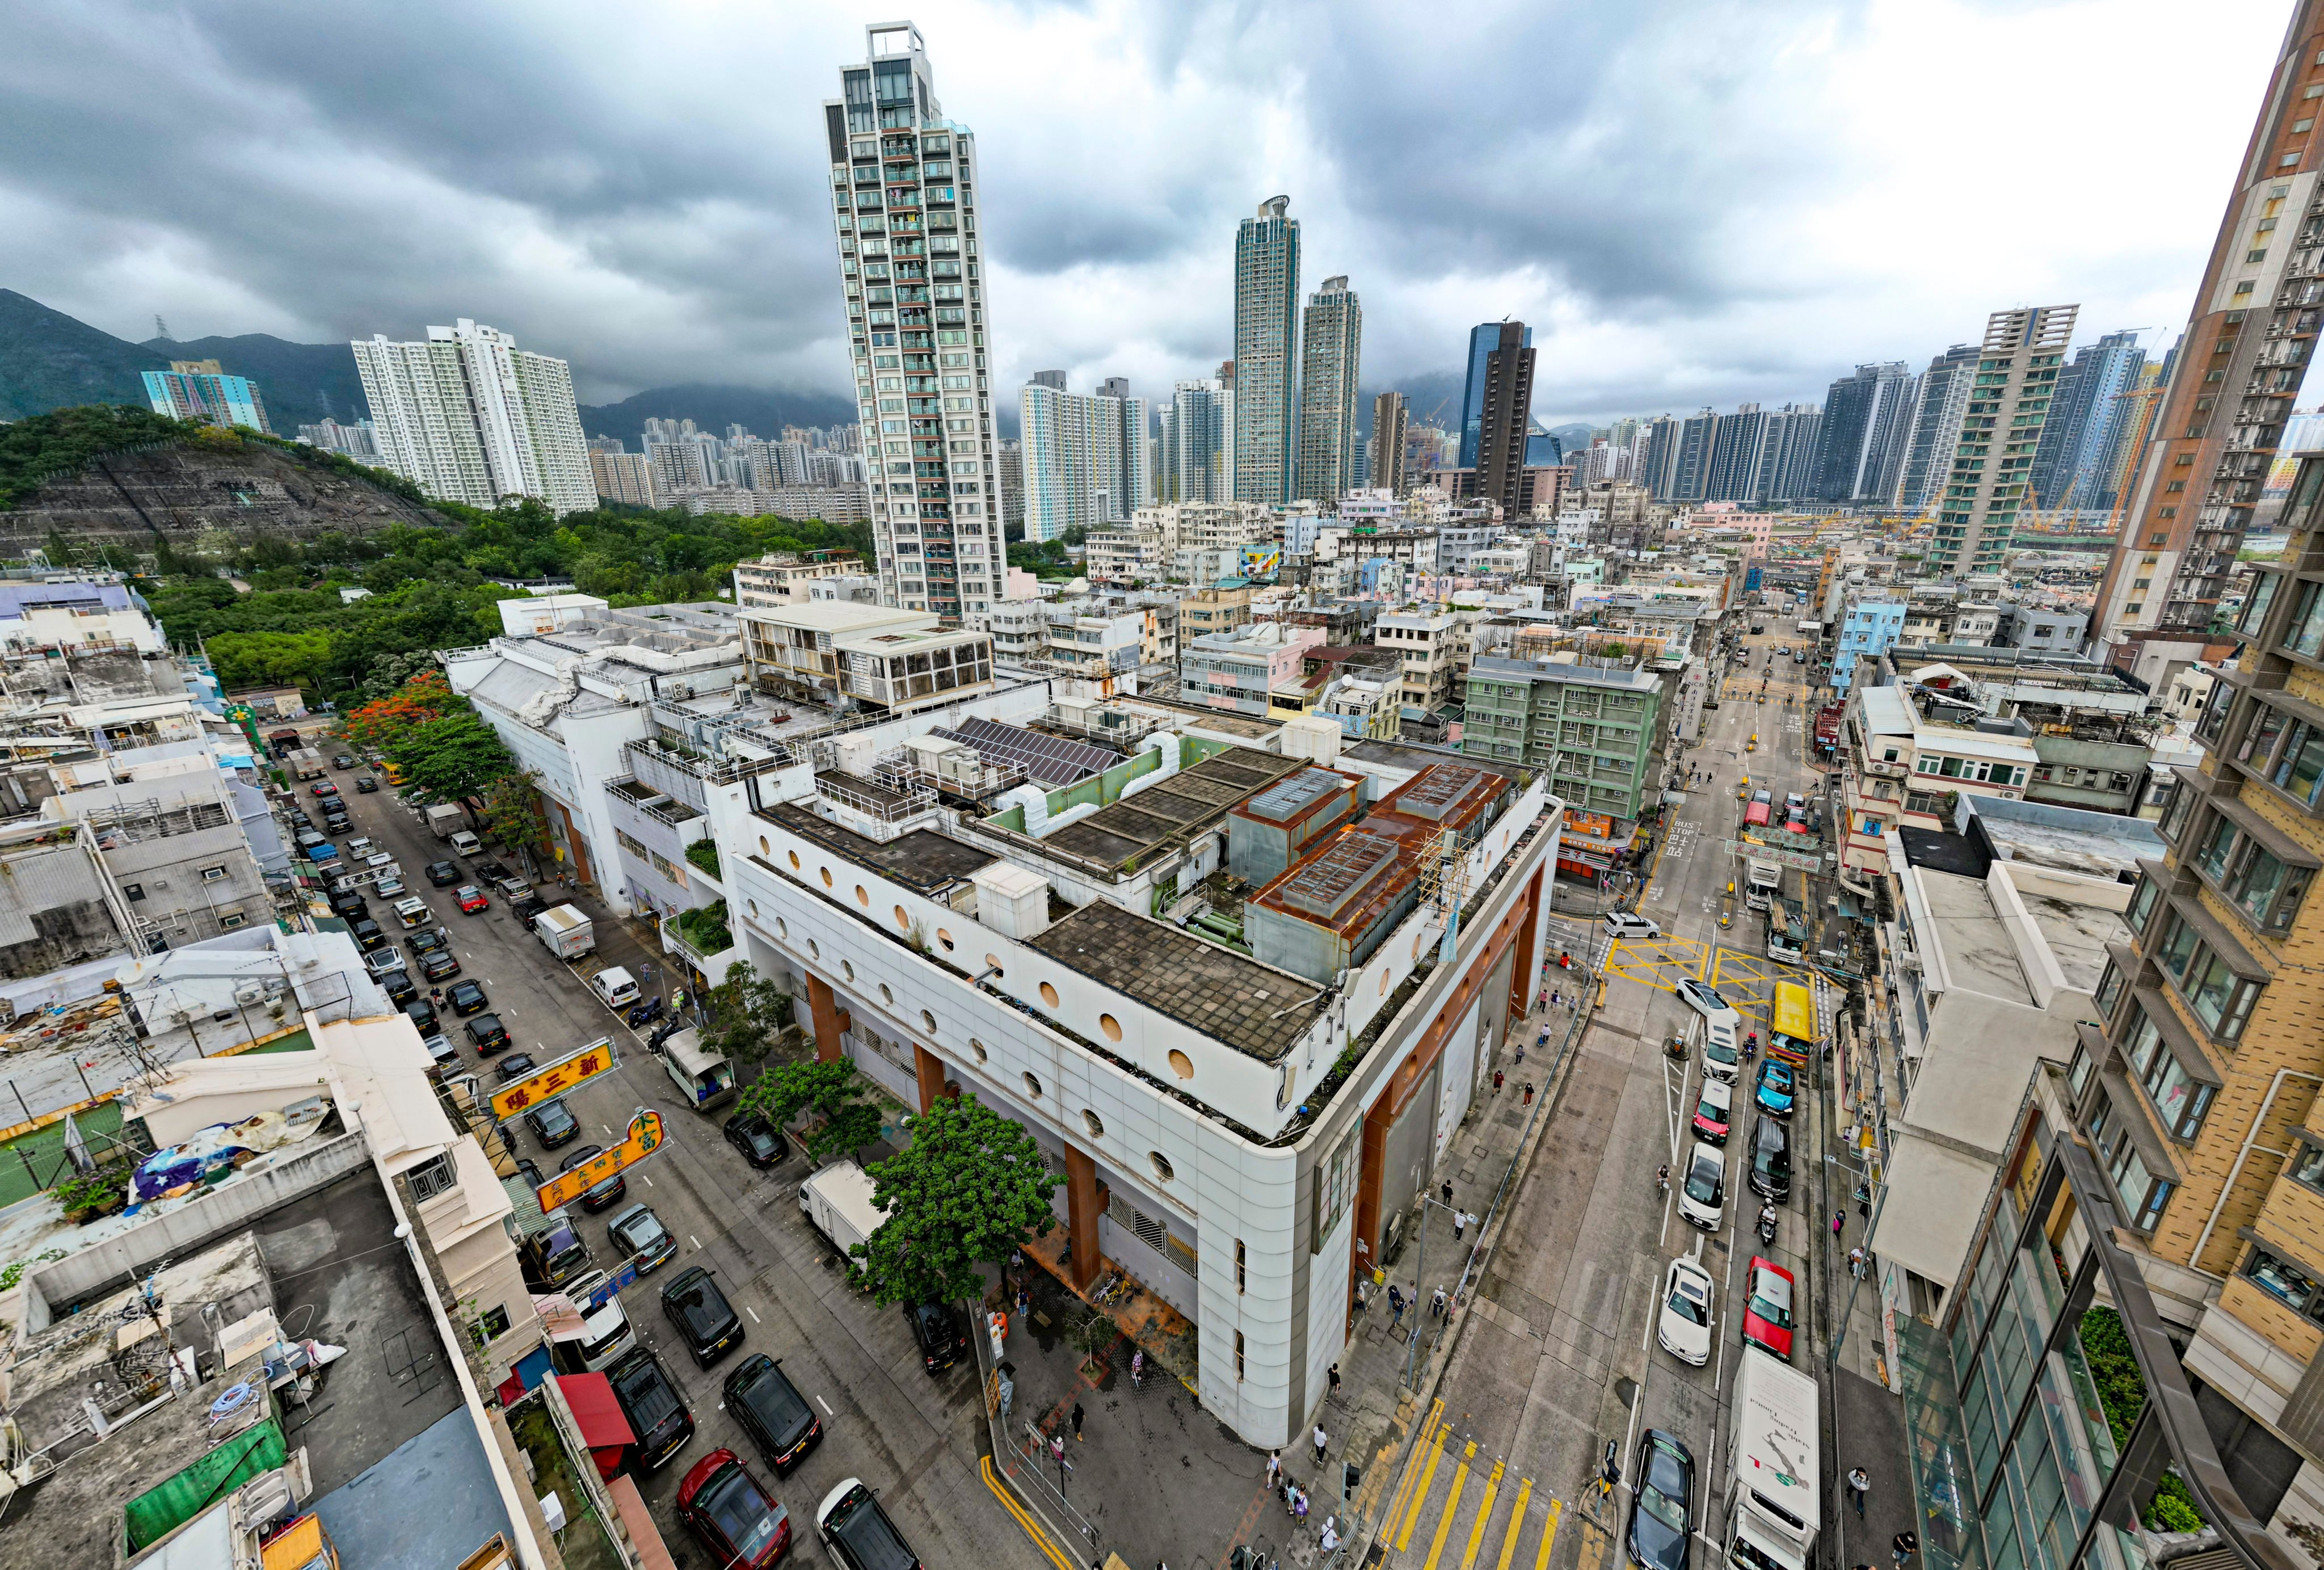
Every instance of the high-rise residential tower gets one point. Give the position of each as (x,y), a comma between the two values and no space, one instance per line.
(1389,421)
(1331,352)
(202,392)
(2227,396)
(1484,338)
(1084,457)
(1936,427)
(1865,431)
(2082,419)
(467,416)
(1991,479)
(904,202)
(1266,344)
(1192,465)
(1505,407)
(1787,454)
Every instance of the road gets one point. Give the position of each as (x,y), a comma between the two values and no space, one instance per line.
(1559,1356)
(915,1440)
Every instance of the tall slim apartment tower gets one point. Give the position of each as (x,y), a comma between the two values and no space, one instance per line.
(2239,366)
(1864,433)
(1194,446)
(1936,427)
(467,416)
(1507,405)
(1266,344)
(1991,480)
(1483,339)
(1331,352)
(1390,420)
(1084,459)
(904,202)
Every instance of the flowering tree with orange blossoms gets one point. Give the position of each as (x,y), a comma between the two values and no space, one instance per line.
(378,724)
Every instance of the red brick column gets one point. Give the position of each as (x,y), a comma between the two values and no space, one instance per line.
(1083,1207)
(928,1069)
(830,1021)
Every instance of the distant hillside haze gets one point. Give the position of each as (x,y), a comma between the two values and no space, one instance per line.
(712,408)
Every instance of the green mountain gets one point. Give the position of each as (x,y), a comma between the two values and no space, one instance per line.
(301,383)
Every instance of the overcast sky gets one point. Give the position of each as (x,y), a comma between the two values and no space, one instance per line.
(1692,203)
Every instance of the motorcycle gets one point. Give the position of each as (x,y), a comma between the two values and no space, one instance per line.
(644,1013)
(1766,1224)
(1750,1046)
(663,1032)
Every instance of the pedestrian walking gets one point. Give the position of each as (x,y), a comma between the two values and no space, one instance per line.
(1057,1448)
(1394,1307)
(1838,1219)
(1860,1483)
(1496,1082)
(1137,1368)
(1321,1440)
(1077,1422)
(1299,1506)
(1333,1374)
(1460,1219)
(1017,1261)
(1528,1092)
(1024,1302)
(1448,1192)
(1436,1304)
(1856,1263)
(1906,1545)
(1362,1302)
(1330,1538)
(1274,1469)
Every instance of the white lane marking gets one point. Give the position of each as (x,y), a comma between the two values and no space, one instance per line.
(753,1313)
(648,1180)
(825,1406)
(695,1241)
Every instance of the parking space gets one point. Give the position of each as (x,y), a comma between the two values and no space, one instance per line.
(914,1439)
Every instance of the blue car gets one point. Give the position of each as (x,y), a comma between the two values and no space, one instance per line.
(1773,1089)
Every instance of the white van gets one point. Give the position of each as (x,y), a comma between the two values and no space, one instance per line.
(1722,1052)
(1630,924)
(615,987)
(1702,1187)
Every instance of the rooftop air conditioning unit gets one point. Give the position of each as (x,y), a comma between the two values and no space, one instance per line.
(249,993)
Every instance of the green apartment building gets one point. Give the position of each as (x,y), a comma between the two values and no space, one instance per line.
(1595,730)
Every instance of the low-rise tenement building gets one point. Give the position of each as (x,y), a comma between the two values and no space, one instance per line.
(1597,729)
(1429,640)
(1908,753)
(782,577)
(1238,1077)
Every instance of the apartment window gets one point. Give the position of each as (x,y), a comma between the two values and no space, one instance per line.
(2108,996)
(230,919)
(489,1325)
(213,874)
(2305,634)
(2263,596)
(132,891)
(2212,990)
(2286,1281)
(2262,733)
(1242,1279)
(2179,1098)
(2299,763)
(2078,1071)
(2218,842)
(2143,1193)
(2307,1167)
(432,1176)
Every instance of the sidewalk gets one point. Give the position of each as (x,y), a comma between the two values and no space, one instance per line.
(1156,1479)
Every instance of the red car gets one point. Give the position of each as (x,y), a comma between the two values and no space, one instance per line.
(325,788)
(1767,1307)
(471,898)
(737,1521)
(1714,1112)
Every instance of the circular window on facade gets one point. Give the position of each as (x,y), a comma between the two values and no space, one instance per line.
(812,950)
(1161,1165)
(929,1020)
(903,918)
(977,1047)
(945,938)
(1049,994)
(993,963)
(782,927)
(1093,1123)
(847,968)
(885,996)
(1110,1026)
(862,898)
(826,877)
(1181,1065)
(795,861)
(764,848)
(1032,1087)
(753,904)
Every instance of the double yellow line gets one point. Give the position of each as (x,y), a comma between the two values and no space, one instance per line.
(1033,1530)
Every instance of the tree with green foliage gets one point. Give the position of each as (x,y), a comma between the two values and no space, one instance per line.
(746,1012)
(64,440)
(451,758)
(2121,1396)
(513,814)
(270,658)
(970,1187)
(832,1091)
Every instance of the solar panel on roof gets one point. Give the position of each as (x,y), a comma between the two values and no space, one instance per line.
(1047,759)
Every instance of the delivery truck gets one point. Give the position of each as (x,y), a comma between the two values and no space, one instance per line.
(837,1202)
(1763,878)
(306,764)
(445,819)
(564,932)
(1770,1511)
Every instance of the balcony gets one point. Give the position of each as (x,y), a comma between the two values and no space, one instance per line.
(688,939)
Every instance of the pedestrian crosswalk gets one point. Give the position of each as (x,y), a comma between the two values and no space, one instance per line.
(1456,1507)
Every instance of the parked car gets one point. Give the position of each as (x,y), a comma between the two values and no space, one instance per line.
(859,1533)
(379,861)
(443,874)
(1662,1508)
(1683,1324)
(348,906)
(433,940)
(704,1319)
(397,984)
(322,787)
(513,1067)
(552,1125)
(1630,924)
(412,912)
(470,899)
(342,761)
(361,847)
(740,1522)
(382,960)
(770,1408)
(513,887)
(489,870)
(439,965)
(422,1014)
(1771,1159)
(640,1231)
(466,998)
(487,1035)
(366,785)
(389,887)
(657,1414)
(1767,1297)
(1714,1110)
(598,1196)
(762,1143)
(367,935)
(442,1051)
(526,909)
(938,1334)
(1774,1087)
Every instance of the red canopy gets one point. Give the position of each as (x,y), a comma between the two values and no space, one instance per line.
(599,1417)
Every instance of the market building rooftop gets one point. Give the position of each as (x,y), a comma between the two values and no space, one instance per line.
(1253,1008)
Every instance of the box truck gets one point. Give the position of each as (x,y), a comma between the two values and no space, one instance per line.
(445,819)
(306,764)
(564,932)
(1770,1511)
(837,1202)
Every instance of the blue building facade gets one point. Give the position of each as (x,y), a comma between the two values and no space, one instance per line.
(1869,630)
(198,390)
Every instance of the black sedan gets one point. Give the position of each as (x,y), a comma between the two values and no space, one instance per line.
(514,1067)
(762,1143)
(397,985)
(366,785)
(487,1034)
(368,936)
(707,1322)
(640,1232)
(489,870)
(937,1334)
(656,1412)
(428,940)
(438,965)
(443,874)
(1662,1514)
(601,1194)
(466,998)
(552,1125)
(772,1412)
(342,761)
(422,1015)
